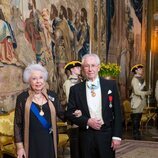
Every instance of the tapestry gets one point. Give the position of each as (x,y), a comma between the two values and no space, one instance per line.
(53,32)
(48,32)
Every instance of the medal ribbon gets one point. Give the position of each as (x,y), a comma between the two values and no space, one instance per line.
(110,99)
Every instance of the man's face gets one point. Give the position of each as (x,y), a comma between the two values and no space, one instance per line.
(77,16)
(76,70)
(140,71)
(51,14)
(61,13)
(90,68)
(82,16)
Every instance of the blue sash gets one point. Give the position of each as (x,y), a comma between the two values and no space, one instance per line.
(41,119)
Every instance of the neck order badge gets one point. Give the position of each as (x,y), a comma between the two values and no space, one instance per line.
(92,87)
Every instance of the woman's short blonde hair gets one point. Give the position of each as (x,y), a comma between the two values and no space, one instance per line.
(34,67)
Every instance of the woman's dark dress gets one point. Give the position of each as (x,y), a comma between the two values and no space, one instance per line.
(40,141)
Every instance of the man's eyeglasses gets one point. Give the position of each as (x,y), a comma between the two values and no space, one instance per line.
(90,66)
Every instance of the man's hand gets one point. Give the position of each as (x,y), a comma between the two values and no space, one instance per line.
(149,92)
(115,144)
(94,123)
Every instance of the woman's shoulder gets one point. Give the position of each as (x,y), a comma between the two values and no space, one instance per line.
(23,94)
(51,93)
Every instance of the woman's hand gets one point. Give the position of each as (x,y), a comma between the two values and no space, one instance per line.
(21,153)
(77,113)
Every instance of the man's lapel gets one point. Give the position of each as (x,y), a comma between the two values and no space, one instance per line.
(84,98)
(104,90)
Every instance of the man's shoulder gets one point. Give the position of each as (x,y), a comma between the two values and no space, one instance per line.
(135,79)
(67,81)
(107,81)
(78,85)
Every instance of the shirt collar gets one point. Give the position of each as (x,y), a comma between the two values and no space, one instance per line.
(95,82)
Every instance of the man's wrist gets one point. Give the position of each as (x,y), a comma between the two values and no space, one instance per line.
(116,138)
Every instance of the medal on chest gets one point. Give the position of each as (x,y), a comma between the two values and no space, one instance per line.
(93,94)
(110,101)
(92,88)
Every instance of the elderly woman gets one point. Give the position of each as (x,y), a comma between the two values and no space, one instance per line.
(35,116)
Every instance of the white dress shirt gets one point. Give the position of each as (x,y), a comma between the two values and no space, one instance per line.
(94,102)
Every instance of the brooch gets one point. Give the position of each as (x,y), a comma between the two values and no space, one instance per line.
(51,98)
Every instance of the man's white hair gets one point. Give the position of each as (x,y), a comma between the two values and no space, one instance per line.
(91,55)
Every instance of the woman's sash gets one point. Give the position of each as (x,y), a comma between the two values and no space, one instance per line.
(41,119)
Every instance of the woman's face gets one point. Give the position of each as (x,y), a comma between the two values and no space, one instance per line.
(37,81)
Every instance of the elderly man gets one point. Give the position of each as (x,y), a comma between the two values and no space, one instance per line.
(100,125)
